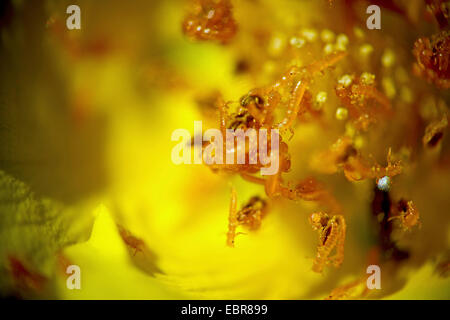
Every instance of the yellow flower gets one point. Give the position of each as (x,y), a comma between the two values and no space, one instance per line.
(88,177)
